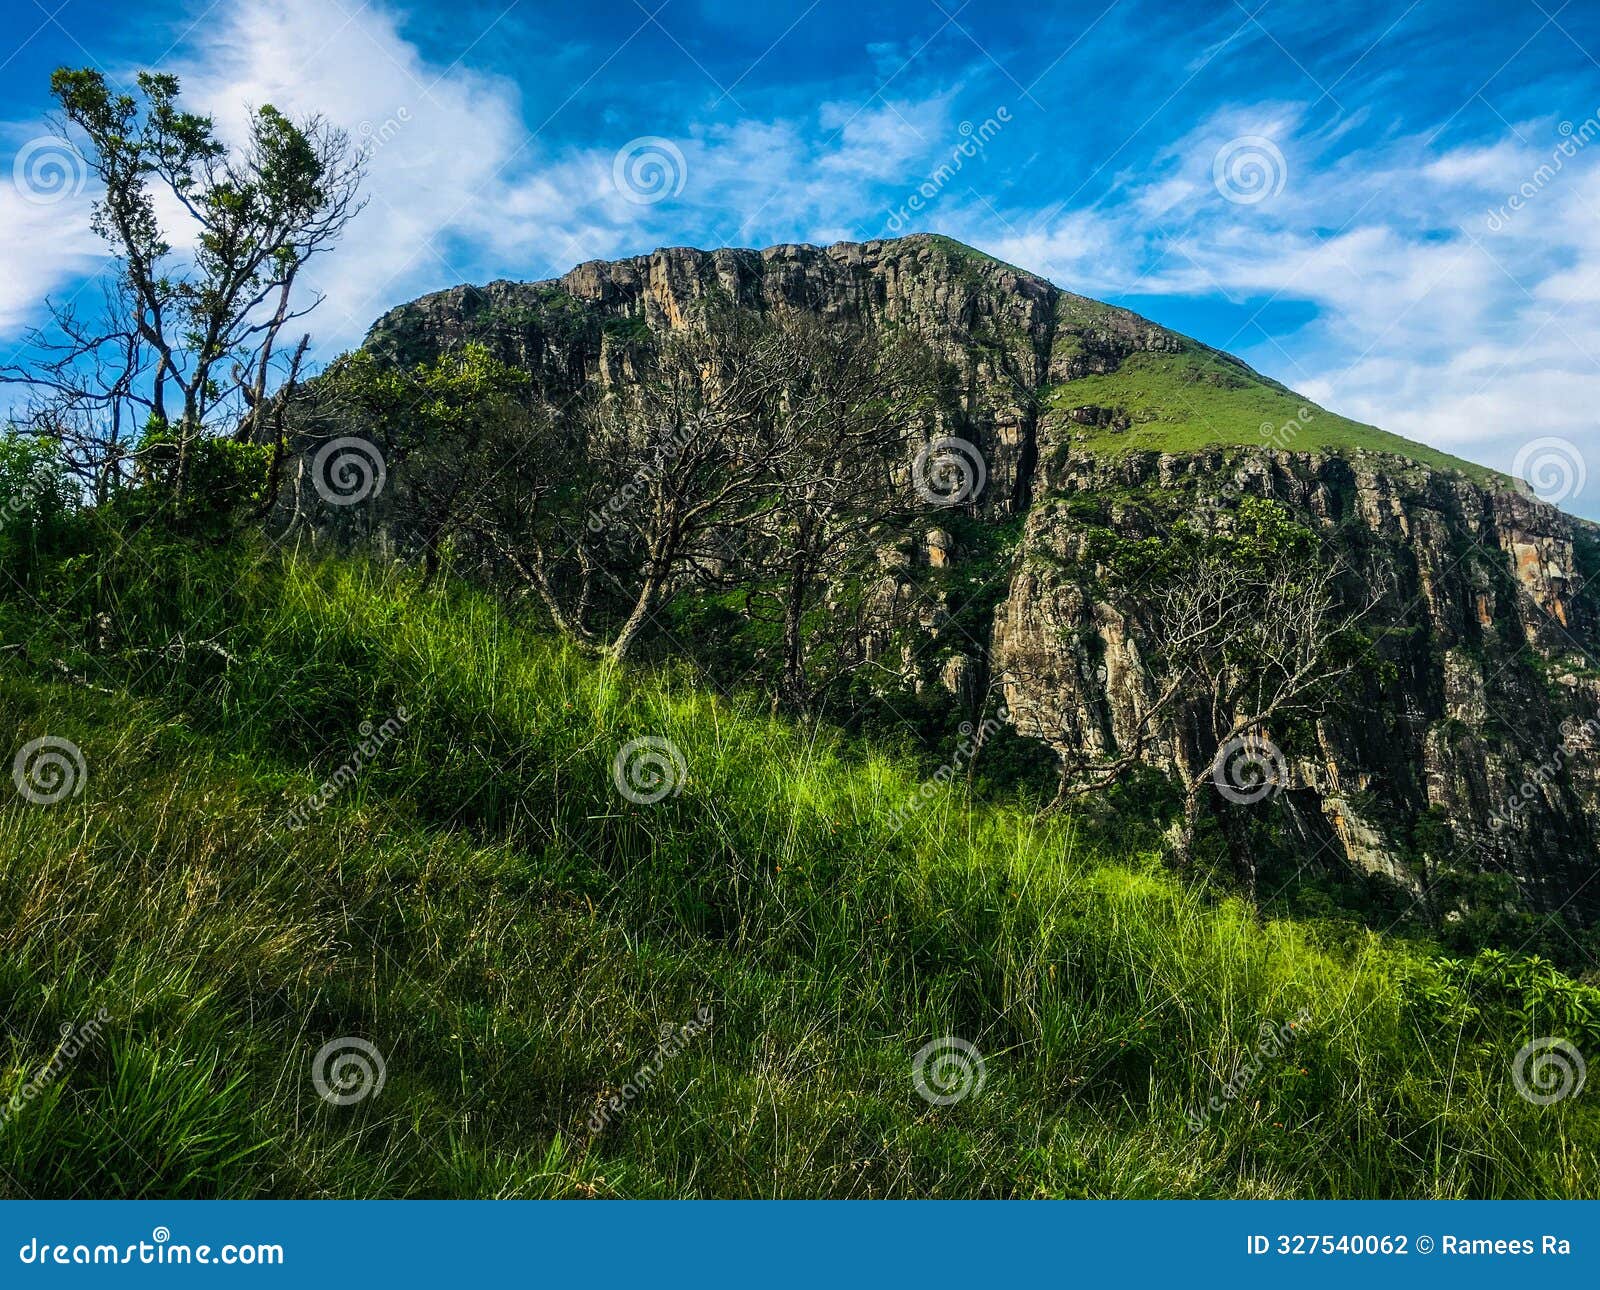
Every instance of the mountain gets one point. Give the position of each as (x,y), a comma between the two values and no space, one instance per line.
(1472,748)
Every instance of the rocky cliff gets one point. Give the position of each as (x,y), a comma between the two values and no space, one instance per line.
(1476,745)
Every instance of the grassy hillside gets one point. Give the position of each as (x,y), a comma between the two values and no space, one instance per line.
(511,934)
(1196,399)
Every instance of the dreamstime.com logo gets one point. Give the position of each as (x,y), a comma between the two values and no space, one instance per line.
(374,137)
(1548,1070)
(1249,169)
(348,1070)
(1550,469)
(948,1070)
(373,741)
(649,169)
(1281,436)
(674,1039)
(48,170)
(661,461)
(649,768)
(49,770)
(1573,140)
(74,1039)
(348,471)
(1575,737)
(1274,1039)
(1249,768)
(160,1250)
(948,472)
(40,481)
(967,748)
(974,139)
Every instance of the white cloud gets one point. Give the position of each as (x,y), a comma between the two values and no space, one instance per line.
(50,248)
(44,223)
(1434,319)
(459,189)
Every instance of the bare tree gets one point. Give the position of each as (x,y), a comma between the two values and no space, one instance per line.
(750,452)
(1243,634)
(703,441)
(849,400)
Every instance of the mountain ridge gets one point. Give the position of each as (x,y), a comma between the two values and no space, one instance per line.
(1088,417)
(1330,430)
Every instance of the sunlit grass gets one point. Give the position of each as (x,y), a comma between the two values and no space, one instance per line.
(485,907)
(1193,400)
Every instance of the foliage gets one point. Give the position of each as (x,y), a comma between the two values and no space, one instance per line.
(227,484)
(512,935)
(187,333)
(35,503)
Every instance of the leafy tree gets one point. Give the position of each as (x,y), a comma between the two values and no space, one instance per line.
(36,499)
(186,341)
(458,432)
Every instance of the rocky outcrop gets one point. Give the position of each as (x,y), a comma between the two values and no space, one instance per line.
(1483,726)
(1007,333)
(1484,718)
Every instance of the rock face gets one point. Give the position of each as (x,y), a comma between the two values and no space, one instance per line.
(1481,619)
(1478,746)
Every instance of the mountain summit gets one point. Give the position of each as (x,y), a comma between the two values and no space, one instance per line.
(1471,748)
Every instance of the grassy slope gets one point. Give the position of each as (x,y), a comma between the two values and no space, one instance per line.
(1201,398)
(512,935)
(1198,399)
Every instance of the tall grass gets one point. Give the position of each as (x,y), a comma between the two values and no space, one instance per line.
(512,934)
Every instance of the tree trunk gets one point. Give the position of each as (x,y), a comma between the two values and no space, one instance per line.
(1192,802)
(793,622)
(641,610)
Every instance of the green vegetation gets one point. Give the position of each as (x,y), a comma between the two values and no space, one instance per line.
(329,877)
(1198,398)
(480,903)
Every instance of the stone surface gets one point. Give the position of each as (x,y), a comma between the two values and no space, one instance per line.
(1487,615)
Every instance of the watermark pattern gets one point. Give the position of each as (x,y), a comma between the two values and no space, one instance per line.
(40,481)
(649,768)
(674,1039)
(49,770)
(1573,140)
(1249,170)
(649,169)
(1548,1070)
(348,471)
(967,747)
(1283,436)
(374,137)
(1249,768)
(373,741)
(1272,1039)
(624,498)
(948,472)
(348,1070)
(1546,772)
(948,1070)
(974,139)
(47,170)
(74,1039)
(1551,469)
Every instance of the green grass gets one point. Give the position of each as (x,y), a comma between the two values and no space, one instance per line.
(1198,399)
(483,906)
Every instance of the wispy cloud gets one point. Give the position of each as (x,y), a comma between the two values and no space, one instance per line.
(493,137)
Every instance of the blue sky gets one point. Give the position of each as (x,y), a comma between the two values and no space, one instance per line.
(1323,189)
